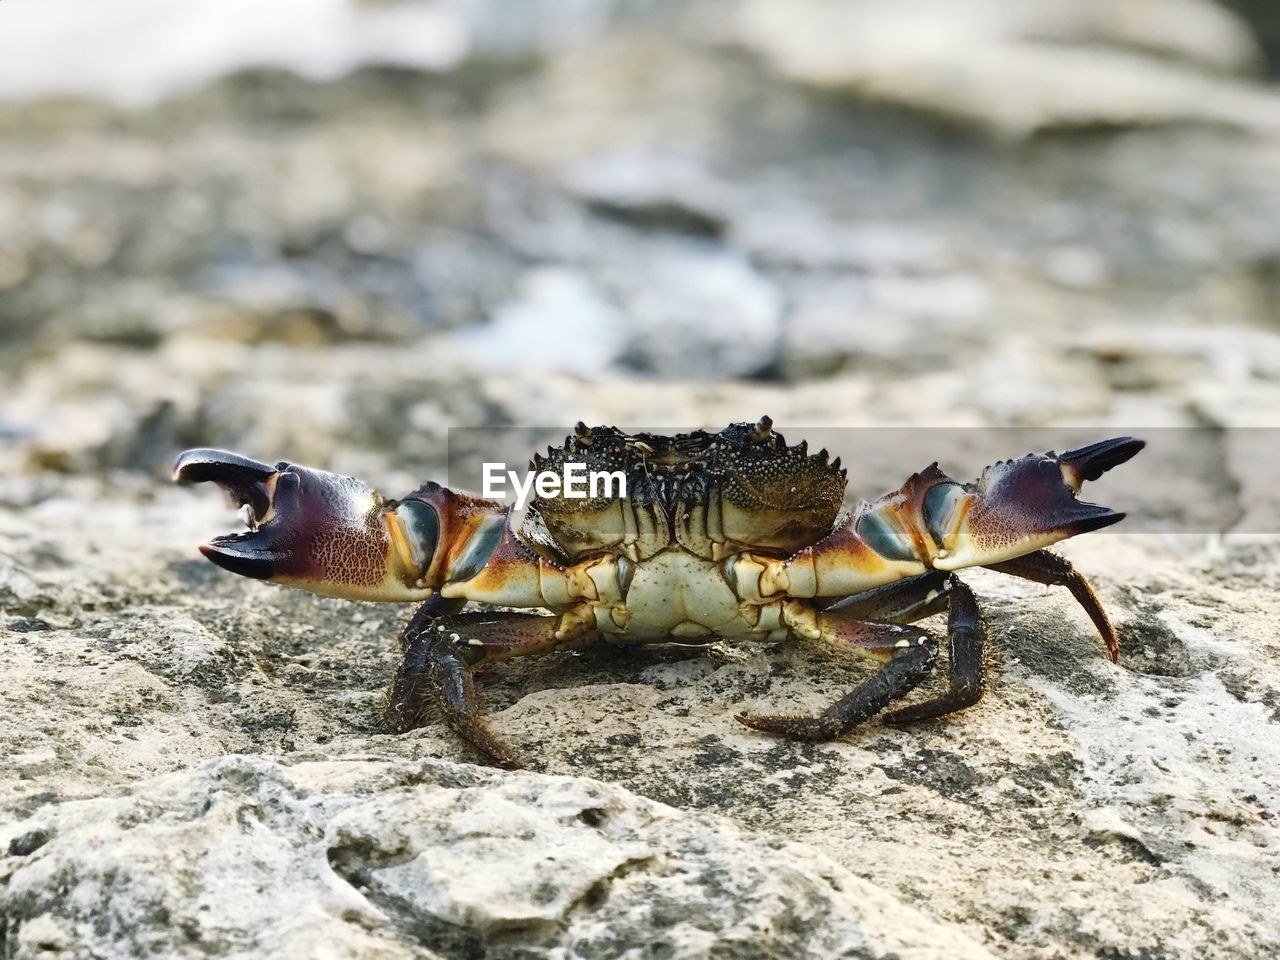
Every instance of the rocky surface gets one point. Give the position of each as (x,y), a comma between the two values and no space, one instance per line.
(660,217)
(374,857)
(1073,63)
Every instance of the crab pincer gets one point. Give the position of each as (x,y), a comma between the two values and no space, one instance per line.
(313,529)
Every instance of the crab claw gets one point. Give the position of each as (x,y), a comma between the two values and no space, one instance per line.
(1019,506)
(308,528)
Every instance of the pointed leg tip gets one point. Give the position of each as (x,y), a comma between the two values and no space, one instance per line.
(769,723)
(494,751)
(812,729)
(397,719)
(501,756)
(755,721)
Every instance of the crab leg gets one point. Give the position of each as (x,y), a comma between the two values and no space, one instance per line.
(910,655)
(1046,567)
(409,688)
(903,602)
(441,653)
(910,658)
(966,640)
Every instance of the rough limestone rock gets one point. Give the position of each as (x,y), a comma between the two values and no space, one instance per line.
(1019,68)
(366,858)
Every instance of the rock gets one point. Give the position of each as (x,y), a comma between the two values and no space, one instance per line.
(697,312)
(677,310)
(366,858)
(670,193)
(890,320)
(1264,19)
(339,36)
(559,321)
(1018,69)
(793,237)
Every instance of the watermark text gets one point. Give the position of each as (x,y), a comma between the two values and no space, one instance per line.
(574,482)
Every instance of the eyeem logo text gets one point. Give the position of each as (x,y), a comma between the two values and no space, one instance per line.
(574,482)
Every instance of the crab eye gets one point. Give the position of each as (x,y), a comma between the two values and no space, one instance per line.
(421,526)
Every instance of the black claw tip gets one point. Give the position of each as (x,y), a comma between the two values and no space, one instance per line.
(238,559)
(1094,519)
(243,478)
(1091,462)
(220,466)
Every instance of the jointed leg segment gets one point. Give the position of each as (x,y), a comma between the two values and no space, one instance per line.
(904,601)
(440,653)
(910,654)
(409,689)
(907,666)
(1046,567)
(966,641)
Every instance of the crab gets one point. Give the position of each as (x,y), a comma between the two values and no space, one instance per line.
(716,537)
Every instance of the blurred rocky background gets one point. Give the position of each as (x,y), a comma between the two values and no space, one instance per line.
(330,231)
